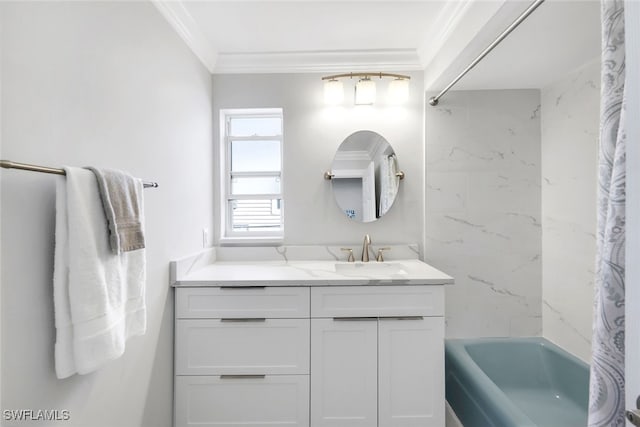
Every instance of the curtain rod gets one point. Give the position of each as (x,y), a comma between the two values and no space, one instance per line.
(8,164)
(433,101)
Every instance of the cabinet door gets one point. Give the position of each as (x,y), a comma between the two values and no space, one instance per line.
(411,372)
(344,372)
(220,401)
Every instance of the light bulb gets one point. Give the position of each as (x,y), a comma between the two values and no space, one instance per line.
(365,92)
(398,91)
(333,92)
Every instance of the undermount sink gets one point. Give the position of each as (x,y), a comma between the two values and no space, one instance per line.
(369,268)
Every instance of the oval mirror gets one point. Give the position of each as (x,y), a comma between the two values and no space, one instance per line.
(364,176)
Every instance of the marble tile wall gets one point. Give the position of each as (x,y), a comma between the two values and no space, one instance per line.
(483,209)
(570,126)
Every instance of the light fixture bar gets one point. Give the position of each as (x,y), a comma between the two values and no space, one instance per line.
(378,74)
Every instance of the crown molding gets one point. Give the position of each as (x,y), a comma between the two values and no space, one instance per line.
(449,20)
(350,156)
(468,30)
(187,28)
(314,61)
(281,62)
(459,23)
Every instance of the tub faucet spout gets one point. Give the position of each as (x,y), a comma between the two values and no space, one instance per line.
(365,248)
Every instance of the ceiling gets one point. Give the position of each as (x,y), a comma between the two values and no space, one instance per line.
(558,37)
(438,36)
(313,26)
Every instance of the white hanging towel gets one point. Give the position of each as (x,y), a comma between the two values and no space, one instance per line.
(98,295)
(388,183)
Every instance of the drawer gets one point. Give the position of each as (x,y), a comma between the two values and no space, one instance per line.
(377,301)
(208,401)
(221,346)
(242,302)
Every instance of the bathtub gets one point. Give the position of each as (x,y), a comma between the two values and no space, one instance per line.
(515,382)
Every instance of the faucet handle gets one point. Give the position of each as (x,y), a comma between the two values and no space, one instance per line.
(379,257)
(350,258)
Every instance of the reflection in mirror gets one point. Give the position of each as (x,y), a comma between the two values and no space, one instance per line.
(364,176)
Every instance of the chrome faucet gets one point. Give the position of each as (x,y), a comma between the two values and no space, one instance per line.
(365,248)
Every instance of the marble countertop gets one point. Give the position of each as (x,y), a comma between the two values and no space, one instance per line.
(205,270)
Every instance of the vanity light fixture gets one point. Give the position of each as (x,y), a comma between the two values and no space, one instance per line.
(365,88)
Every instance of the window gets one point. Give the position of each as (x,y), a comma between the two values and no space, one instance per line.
(251,182)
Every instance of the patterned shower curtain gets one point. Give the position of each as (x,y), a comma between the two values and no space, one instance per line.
(606,388)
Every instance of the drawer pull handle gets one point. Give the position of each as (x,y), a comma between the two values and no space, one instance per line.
(240,377)
(402,318)
(242,287)
(353,319)
(245,319)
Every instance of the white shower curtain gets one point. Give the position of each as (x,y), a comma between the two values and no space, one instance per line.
(606,388)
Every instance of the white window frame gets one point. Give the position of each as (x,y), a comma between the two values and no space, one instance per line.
(228,236)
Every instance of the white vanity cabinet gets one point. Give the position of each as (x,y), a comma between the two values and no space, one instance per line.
(377,356)
(242,357)
(310,356)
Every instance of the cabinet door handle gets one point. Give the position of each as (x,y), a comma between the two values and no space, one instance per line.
(353,319)
(244,319)
(402,318)
(242,287)
(241,377)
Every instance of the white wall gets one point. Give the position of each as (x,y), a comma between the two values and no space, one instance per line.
(483,209)
(107,84)
(312,133)
(570,133)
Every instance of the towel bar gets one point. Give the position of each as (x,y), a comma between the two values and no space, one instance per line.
(331,175)
(8,164)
